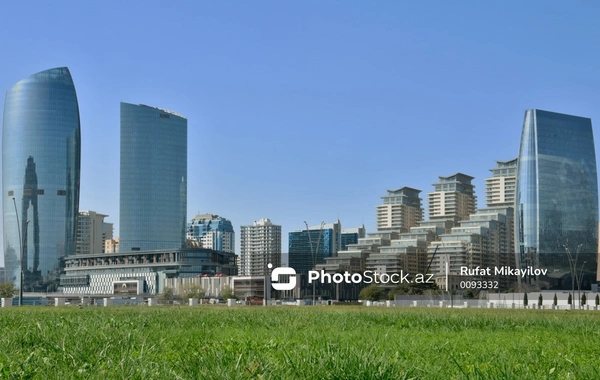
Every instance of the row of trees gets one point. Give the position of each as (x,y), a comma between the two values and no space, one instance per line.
(194,291)
(555,301)
(375,293)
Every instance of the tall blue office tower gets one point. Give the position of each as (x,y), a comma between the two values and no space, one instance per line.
(41,150)
(153,196)
(557,200)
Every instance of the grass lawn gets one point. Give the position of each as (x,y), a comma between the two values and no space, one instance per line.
(297,343)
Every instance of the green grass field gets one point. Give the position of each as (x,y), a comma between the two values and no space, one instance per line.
(297,343)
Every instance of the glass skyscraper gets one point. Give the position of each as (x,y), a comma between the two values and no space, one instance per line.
(311,246)
(41,149)
(153,199)
(557,199)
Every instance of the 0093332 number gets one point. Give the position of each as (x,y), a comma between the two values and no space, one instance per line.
(479,285)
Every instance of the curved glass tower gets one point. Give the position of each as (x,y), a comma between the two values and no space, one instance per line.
(557,199)
(41,148)
(153,198)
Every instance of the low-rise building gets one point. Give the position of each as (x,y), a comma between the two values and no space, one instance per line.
(102,274)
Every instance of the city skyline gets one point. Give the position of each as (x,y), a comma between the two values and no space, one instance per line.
(312,112)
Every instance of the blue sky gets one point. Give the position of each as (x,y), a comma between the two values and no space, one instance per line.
(311,110)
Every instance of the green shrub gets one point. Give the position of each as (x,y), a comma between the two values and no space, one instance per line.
(7,289)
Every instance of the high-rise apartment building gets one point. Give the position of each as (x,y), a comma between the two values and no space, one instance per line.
(260,245)
(91,233)
(401,209)
(453,198)
(557,198)
(153,197)
(501,188)
(212,232)
(41,147)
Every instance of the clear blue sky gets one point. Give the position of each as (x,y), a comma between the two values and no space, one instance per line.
(310,110)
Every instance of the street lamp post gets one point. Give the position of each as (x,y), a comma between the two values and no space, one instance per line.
(579,281)
(574,276)
(573,267)
(21,242)
(313,253)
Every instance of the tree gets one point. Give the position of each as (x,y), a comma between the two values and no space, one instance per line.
(555,299)
(228,293)
(371,293)
(7,289)
(583,299)
(468,294)
(191,291)
(167,294)
(540,300)
(597,300)
(570,299)
(525,301)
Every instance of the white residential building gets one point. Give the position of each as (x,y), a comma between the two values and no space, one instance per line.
(260,245)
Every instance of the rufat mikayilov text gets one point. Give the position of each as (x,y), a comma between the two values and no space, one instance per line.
(502,271)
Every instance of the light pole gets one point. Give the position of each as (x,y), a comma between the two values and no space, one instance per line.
(573,267)
(21,252)
(579,281)
(313,253)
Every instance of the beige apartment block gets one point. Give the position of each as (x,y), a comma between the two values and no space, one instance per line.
(454,197)
(401,210)
(111,245)
(500,189)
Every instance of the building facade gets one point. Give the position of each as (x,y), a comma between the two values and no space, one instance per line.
(91,232)
(401,210)
(453,198)
(153,197)
(311,246)
(260,245)
(107,234)
(212,232)
(104,274)
(557,199)
(350,236)
(41,149)
(111,245)
(501,188)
